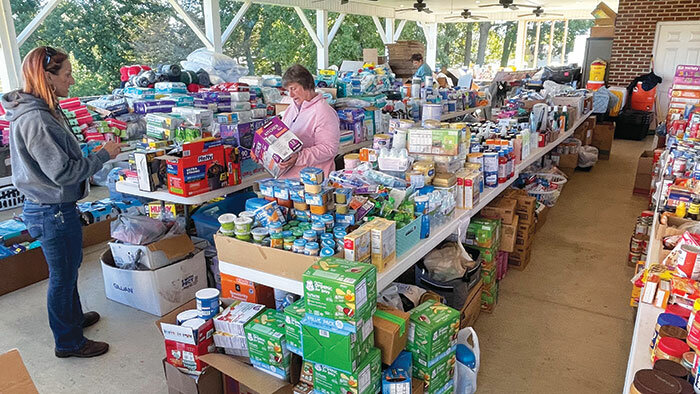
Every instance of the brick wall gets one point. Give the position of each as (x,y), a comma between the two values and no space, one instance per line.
(635,28)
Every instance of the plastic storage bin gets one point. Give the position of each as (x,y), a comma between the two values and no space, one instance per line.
(206,218)
(408,236)
(633,125)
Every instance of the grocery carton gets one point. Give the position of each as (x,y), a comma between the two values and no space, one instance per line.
(436,376)
(383,240)
(340,293)
(234,318)
(293,315)
(443,142)
(201,168)
(273,143)
(358,244)
(484,233)
(186,356)
(336,348)
(365,379)
(267,347)
(433,329)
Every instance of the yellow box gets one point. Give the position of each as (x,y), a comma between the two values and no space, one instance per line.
(357,245)
(383,240)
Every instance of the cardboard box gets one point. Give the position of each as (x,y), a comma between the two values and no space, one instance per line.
(185,356)
(472,306)
(201,168)
(502,208)
(528,104)
(437,374)
(340,293)
(280,108)
(265,336)
(645,169)
(390,332)
(383,240)
(432,328)
(245,290)
(417,386)
(602,31)
(508,235)
(572,101)
(174,332)
(336,348)
(273,143)
(234,318)
(365,379)
(156,292)
(14,377)
(150,170)
(370,55)
(483,233)
(568,161)
(209,381)
(541,217)
(22,269)
(603,135)
(245,374)
(293,315)
(261,258)
(669,225)
(358,245)
(441,142)
(96,233)
(154,255)
(519,261)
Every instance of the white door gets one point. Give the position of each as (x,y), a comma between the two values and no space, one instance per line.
(675,43)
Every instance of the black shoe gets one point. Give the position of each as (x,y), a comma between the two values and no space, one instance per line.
(90,349)
(90,318)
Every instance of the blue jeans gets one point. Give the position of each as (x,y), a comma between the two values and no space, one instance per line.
(58,228)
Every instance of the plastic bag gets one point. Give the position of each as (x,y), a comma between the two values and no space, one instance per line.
(390,296)
(447,263)
(587,156)
(143,230)
(552,88)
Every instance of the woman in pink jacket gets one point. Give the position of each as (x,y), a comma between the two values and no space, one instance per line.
(313,120)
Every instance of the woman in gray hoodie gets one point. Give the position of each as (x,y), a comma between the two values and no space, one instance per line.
(48,167)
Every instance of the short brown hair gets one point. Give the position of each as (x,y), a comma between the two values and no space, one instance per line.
(416,57)
(299,74)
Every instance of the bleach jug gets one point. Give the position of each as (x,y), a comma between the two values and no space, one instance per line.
(467,362)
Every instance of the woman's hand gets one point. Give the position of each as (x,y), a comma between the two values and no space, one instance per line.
(289,162)
(113,149)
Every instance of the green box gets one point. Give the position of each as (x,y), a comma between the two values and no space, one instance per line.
(334,347)
(292,324)
(440,372)
(444,142)
(484,233)
(433,329)
(339,292)
(366,379)
(265,337)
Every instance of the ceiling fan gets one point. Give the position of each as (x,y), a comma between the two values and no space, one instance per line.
(539,11)
(508,4)
(342,2)
(466,14)
(420,6)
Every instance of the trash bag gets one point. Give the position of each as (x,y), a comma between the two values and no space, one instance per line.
(447,263)
(143,230)
(587,156)
(552,88)
(390,296)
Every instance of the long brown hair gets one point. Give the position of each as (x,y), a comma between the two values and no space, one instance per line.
(36,62)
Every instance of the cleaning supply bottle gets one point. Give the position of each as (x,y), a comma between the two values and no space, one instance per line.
(563,119)
(681,210)
(468,360)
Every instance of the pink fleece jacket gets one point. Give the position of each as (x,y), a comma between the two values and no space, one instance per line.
(316,124)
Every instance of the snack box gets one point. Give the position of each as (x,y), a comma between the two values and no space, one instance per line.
(293,315)
(365,379)
(484,233)
(443,142)
(439,371)
(357,244)
(336,348)
(185,356)
(340,292)
(265,337)
(383,242)
(432,330)
(274,143)
(234,318)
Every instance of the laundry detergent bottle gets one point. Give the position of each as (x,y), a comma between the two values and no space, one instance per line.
(468,359)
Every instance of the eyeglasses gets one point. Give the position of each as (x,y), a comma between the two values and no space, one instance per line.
(50,52)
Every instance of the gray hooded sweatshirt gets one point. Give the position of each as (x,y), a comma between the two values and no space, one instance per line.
(48,166)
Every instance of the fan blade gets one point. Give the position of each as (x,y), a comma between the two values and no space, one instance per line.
(406,9)
(427,10)
(524,15)
(478,17)
(343,2)
(454,17)
(490,5)
(525,5)
(548,14)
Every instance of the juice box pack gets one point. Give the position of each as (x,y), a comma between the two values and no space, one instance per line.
(433,329)
(438,374)
(265,336)
(364,380)
(340,293)
(336,348)
(293,314)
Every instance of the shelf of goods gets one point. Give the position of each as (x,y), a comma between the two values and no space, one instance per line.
(411,257)
(163,195)
(452,115)
(647,314)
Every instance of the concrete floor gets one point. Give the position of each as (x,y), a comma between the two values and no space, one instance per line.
(562,325)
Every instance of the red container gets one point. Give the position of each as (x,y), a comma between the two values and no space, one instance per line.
(642,100)
(670,348)
(185,356)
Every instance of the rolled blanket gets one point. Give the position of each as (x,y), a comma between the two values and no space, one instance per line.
(203,77)
(189,77)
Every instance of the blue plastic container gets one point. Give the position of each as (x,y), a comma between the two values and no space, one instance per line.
(206,218)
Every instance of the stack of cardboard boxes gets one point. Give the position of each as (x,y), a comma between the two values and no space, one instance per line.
(400,57)
(525,210)
(484,235)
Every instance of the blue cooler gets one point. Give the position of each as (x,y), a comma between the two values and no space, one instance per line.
(206,218)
